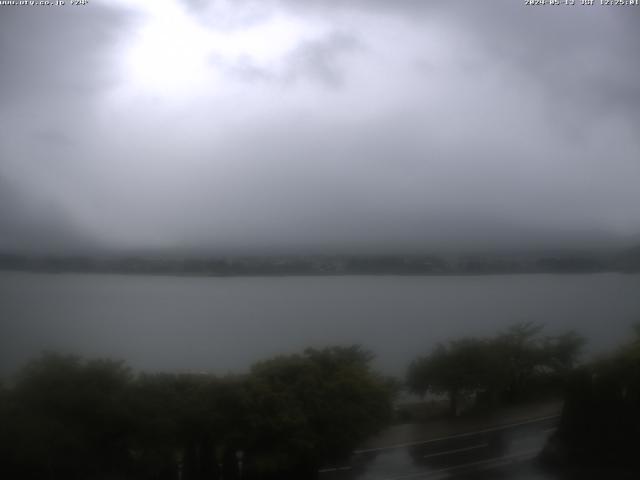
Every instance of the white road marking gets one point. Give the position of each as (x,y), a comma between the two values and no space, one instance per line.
(459,435)
(489,463)
(335,469)
(457,450)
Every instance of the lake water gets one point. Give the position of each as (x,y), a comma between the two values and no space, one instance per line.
(224,324)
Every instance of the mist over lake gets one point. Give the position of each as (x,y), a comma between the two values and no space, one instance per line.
(223,325)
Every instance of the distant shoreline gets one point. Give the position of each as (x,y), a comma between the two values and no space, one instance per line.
(307,275)
(322,266)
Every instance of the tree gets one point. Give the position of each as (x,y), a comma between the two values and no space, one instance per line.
(510,367)
(521,353)
(561,353)
(457,369)
(65,417)
(184,421)
(600,422)
(313,408)
(68,417)
(530,361)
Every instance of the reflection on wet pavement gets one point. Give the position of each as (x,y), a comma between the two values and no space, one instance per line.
(502,452)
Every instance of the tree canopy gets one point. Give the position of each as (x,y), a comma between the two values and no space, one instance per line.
(507,367)
(66,417)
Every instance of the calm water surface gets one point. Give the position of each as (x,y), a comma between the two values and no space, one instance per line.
(225,324)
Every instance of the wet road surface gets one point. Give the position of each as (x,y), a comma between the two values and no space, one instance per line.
(505,452)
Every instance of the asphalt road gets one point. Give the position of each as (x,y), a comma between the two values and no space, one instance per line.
(504,452)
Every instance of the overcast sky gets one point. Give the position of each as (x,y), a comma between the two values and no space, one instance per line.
(316,125)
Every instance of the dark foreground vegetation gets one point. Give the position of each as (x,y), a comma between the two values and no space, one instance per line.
(599,431)
(518,365)
(63,417)
(67,418)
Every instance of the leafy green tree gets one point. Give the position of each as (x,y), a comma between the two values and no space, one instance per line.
(521,354)
(531,361)
(69,419)
(512,366)
(65,417)
(188,422)
(458,369)
(562,352)
(312,408)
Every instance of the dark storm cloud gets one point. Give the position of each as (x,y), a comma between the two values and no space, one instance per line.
(318,124)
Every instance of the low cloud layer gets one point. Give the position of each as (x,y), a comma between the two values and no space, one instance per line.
(336,125)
